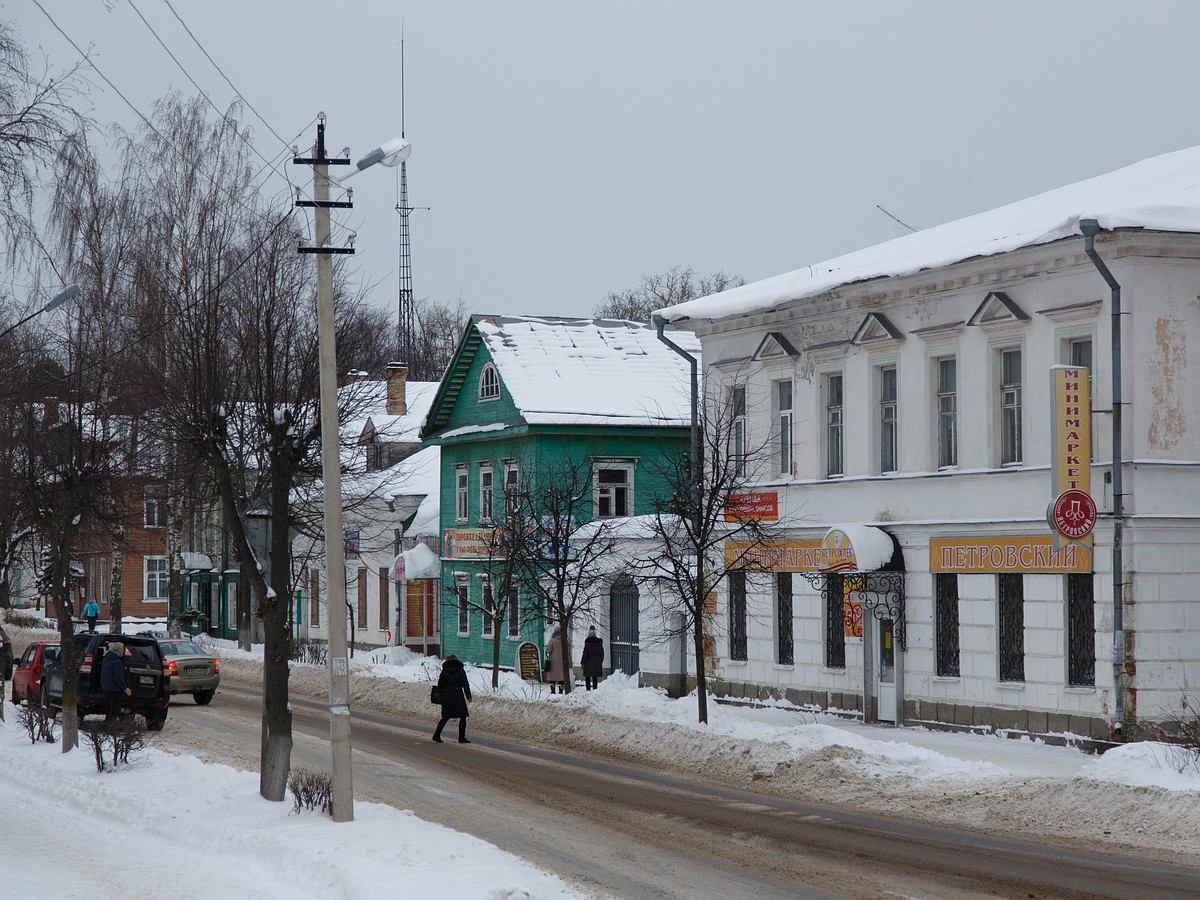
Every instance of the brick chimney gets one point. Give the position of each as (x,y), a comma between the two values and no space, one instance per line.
(397,378)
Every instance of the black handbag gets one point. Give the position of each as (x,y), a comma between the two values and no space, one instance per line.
(435,694)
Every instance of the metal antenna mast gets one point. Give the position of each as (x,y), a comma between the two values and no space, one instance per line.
(406,318)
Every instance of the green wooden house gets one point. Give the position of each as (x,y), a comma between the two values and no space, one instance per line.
(526,397)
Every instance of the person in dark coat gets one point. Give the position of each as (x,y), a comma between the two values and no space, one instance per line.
(592,659)
(112,680)
(456,691)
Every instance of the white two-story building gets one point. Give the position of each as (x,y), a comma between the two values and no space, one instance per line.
(906,393)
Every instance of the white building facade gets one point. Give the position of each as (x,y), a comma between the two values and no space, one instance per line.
(905,391)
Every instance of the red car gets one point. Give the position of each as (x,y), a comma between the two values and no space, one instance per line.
(27,680)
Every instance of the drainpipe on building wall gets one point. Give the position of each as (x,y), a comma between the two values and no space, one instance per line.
(1090,228)
(694,473)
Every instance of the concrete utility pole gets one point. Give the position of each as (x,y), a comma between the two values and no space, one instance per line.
(335,567)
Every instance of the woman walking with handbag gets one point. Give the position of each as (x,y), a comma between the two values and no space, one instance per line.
(455,692)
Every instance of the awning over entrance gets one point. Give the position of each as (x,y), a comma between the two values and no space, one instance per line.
(194,562)
(859,548)
(864,565)
(416,563)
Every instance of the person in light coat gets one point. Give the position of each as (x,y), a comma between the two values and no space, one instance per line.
(554,660)
(592,660)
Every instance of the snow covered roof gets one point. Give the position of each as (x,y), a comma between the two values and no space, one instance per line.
(1159,194)
(563,371)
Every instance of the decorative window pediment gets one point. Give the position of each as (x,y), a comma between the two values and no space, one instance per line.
(1085,310)
(998,308)
(775,346)
(929,332)
(876,328)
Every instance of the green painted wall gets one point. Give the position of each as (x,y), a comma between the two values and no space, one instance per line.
(537,449)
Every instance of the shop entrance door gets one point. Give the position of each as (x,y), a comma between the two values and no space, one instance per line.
(885,671)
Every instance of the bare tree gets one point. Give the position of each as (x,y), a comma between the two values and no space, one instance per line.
(676,285)
(565,560)
(439,327)
(38,110)
(689,528)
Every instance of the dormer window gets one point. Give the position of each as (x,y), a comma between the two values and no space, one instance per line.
(489,383)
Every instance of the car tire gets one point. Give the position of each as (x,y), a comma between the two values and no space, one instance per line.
(15,699)
(203,698)
(43,696)
(156,721)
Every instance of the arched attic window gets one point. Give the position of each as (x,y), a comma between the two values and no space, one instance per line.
(489,383)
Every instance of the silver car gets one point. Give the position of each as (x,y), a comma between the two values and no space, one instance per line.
(192,670)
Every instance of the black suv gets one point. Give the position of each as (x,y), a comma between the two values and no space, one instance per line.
(145,675)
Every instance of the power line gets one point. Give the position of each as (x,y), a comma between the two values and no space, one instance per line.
(249,105)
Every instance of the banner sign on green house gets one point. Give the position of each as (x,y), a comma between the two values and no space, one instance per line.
(470,543)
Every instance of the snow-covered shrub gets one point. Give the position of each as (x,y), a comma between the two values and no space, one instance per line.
(38,723)
(311,790)
(115,740)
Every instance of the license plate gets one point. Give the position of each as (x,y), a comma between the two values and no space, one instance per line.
(146,679)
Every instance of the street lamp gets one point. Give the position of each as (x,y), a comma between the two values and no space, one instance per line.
(390,154)
(67,294)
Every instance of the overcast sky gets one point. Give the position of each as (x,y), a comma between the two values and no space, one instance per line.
(567,149)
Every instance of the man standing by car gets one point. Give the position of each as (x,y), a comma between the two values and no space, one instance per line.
(112,680)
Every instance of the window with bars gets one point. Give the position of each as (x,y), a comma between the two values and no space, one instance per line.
(1010,407)
(783,438)
(888,405)
(947,412)
(385,597)
(833,425)
(463,588)
(362,598)
(314,596)
(1081,630)
(784,622)
(737,432)
(946,623)
(835,621)
(486,492)
(738,649)
(1011,632)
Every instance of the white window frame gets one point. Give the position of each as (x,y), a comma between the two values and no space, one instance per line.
(783,393)
(487,492)
(833,423)
(514,613)
(945,414)
(598,490)
(488,603)
(156,579)
(489,383)
(462,497)
(512,488)
(738,436)
(1010,407)
(462,587)
(154,506)
(889,417)
(1071,357)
